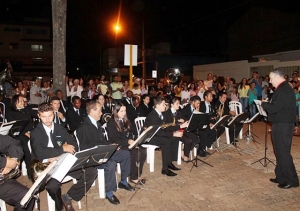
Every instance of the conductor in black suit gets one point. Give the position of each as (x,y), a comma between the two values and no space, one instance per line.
(75,114)
(167,140)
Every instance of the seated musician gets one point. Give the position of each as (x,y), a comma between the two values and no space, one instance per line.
(173,116)
(144,106)
(75,114)
(11,191)
(20,112)
(120,131)
(222,107)
(105,108)
(167,140)
(90,133)
(63,104)
(50,140)
(206,136)
(59,113)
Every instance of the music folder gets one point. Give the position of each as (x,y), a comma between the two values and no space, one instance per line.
(146,136)
(198,121)
(93,157)
(240,118)
(260,109)
(18,127)
(224,119)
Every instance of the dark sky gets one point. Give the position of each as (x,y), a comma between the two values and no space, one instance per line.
(193,27)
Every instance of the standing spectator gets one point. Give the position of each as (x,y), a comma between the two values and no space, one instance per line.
(281,112)
(221,86)
(117,89)
(36,95)
(258,84)
(192,90)
(136,90)
(234,96)
(126,88)
(143,86)
(243,93)
(252,94)
(201,89)
(76,89)
(209,83)
(185,95)
(92,92)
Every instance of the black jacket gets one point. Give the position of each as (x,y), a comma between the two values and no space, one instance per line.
(144,110)
(282,106)
(11,148)
(73,119)
(89,135)
(119,137)
(39,141)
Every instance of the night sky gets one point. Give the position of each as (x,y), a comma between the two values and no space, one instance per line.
(193,27)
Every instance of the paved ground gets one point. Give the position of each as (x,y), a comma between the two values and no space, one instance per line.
(234,184)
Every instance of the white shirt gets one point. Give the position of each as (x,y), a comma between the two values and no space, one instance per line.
(93,121)
(77,92)
(207,107)
(185,95)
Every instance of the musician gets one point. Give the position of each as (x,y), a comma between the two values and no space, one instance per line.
(144,106)
(63,103)
(59,113)
(11,191)
(50,140)
(19,112)
(222,107)
(84,99)
(167,140)
(120,131)
(173,116)
(128,99)
(105,108)
(75,114)
(89,134)
(206,136)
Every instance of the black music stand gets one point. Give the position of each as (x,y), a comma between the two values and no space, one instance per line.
(240,118)
(264,114)
(18,127)
(220,123)
(249,135)
(143,139)
(198,121)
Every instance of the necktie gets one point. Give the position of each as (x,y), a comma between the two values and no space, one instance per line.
(209,109)
(77,111)
(56,118)
(51,138)
(161,117)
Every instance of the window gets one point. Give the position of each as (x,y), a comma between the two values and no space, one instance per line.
(13,45)
(37,47)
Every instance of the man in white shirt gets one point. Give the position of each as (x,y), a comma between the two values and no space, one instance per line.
(36,95)
(117,89)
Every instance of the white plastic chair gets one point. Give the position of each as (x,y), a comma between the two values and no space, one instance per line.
(2,205)
(237,108)
(5,127)
(139,123)
(180,147)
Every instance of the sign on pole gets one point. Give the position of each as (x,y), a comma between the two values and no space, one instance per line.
(154,74)
(127,55)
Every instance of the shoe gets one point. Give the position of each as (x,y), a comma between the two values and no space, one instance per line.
(126,187)
(236,140)
(233,143)
(168,173)
(67,202)
(202,153)
(139,182)
(172,167)
(274,180)
(185,161)
(113,200)
(287,186)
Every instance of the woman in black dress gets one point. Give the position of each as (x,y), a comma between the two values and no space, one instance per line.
(120,130)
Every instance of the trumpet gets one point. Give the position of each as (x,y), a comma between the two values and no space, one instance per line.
(220,110)
(36,168)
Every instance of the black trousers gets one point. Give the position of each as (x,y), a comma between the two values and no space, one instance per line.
(169,149)
(233,132)
(27,155)
(122,157)
(207,138)
(77,191)
(12,193)
(282,135)
(190,140)
(138,155)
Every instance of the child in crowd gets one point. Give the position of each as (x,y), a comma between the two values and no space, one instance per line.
(252,94)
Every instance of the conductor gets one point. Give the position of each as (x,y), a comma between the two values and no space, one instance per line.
(281,111)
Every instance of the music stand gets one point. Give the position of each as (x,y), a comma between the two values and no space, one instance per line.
(198,121)
(220,123)
(142,139)
(240,118)
(265,115)
(18,127)
(249,135)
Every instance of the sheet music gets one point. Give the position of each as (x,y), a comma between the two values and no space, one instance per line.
(63,165)
(261,110)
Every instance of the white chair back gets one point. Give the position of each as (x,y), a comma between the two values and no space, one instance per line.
(139,123)
(104,126)
(235,106)
(5,127)
(2,112)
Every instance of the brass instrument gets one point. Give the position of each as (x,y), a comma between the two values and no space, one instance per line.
(220,110)
(36,168)
(106,117)
(12,174)
(165,125)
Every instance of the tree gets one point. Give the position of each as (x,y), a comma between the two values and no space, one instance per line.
(59,17)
